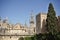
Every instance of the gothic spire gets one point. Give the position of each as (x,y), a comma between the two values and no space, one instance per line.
(32,17)
(0,18)
(25,24)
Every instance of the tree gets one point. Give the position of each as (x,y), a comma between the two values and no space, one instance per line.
(51,20)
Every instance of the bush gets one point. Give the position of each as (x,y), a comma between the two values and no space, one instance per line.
(27,38)
(21,38)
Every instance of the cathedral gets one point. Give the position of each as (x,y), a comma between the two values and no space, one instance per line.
(17,29)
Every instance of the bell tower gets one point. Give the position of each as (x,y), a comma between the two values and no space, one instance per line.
(31,20)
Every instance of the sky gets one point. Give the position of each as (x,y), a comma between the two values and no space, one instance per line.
(18,11)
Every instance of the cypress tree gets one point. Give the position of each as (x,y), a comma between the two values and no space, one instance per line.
(51,19)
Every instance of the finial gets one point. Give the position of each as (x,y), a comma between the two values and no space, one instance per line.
(31,12)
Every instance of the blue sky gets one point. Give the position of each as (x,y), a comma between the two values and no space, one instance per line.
(19,10)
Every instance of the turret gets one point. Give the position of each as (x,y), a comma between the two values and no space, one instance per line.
(5,20)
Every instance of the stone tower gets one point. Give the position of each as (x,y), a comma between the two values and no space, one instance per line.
(32,24)
(31,20)
(40,22)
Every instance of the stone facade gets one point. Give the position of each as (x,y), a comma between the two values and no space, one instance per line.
(58,23)
(40,22)
(15,29)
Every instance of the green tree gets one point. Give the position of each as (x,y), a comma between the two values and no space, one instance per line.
(51,20)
